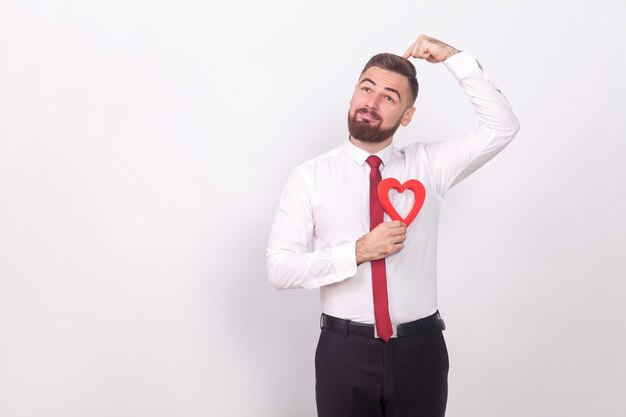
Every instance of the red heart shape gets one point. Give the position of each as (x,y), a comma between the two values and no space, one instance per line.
(414,185)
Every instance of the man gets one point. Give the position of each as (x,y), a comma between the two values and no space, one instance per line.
(381,350)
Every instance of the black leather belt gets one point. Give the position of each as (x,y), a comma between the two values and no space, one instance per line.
(431,324)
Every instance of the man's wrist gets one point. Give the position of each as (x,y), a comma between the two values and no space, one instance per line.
(361,255)
(452,51)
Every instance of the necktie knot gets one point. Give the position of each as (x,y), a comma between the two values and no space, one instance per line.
(373,161)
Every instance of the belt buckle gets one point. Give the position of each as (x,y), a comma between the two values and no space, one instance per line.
(394,329)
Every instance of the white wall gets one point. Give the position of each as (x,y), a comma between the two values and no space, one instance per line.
(143,146)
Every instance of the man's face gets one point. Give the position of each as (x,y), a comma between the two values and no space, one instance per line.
(379,105)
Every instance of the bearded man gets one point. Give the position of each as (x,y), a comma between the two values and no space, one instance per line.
(381,350)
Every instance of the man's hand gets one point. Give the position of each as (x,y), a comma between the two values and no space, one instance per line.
(386,239)
(430,49)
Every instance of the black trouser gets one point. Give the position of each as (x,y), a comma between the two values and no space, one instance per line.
(358,376)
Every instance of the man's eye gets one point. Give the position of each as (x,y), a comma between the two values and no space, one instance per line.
(367,89)
(389,99)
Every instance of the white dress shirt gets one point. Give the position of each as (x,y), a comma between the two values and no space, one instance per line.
(324,209)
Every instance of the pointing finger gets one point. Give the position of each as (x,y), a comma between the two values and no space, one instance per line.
(407,54)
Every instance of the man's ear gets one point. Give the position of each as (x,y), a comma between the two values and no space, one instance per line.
(408,115)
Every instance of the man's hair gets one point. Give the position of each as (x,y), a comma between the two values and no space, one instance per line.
(397,64)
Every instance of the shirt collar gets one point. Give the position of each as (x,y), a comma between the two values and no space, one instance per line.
(359,155)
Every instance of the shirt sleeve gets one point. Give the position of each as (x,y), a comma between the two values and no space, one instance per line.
(452,160)
(291,261)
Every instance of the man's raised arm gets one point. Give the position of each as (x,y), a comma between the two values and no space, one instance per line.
(452,160)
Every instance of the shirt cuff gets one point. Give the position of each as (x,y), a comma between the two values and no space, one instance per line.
(344,258)
(463,64)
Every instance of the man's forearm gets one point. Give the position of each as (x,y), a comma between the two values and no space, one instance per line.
(287,269)
(455,159)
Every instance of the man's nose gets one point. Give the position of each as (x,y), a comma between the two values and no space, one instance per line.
(372,102)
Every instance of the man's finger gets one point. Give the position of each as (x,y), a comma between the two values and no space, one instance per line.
(400,230)
(407,54)
(397,232)
(422,52)
(398,247)
(399,238)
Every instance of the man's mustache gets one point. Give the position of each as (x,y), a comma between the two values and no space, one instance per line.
(370,112)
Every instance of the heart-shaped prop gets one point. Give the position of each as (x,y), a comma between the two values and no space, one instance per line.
(414,185)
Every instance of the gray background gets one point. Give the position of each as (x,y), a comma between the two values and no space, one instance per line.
(143,146)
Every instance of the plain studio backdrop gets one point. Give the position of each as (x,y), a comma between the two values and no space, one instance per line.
(143,147)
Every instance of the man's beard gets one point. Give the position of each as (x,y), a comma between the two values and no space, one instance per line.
(365,132)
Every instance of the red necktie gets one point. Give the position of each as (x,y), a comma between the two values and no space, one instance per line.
(379,274)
